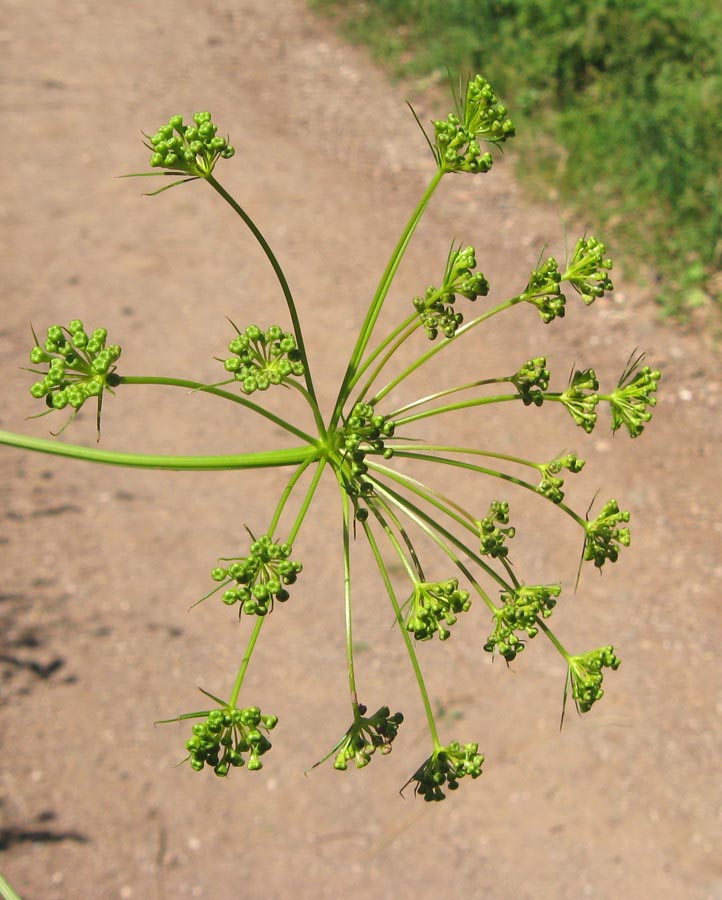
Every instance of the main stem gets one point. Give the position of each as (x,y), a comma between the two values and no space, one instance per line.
(291,456)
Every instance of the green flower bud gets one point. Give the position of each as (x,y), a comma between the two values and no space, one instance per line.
(226,734)
(492,538)
(446,767)
(603,537)
(77,368)
(479,117)
(585,676)
(519,612)
(259,577)
(587,272)
(551,484)
(366,735)
(634,393)
(436,308)
(532,380)
(433,605)
(188,150)
(543,290)
(581,399)
(263,358)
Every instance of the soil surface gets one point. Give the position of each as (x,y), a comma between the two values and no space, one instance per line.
(100,565)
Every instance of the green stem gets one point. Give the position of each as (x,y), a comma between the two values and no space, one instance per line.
(437,348)
(6,892)
(552,637)
(409,645)
(444,460)
(265,459)
(307,500)
(444,547)
(418,516)
(449,507)
(393,342)
(442,448)
(279,274)
(379,297)
(318,418)
(286,494)
(217,392)
(452,407)
(347,603)
(246,659)
(292,535)
(439,394)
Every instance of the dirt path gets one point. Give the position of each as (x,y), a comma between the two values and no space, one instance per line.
(101,565)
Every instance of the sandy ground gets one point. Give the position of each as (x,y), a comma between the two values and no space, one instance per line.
(100,565)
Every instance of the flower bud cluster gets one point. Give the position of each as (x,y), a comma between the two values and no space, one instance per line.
(551,484)
(585,674)
(261,577)
(193,149)
(521,608)
(263,358)
(79,365)
(588,271)
(491,537)
(481,117)
(581,399)
(603,536)
(433,605)
(630,399)
(226,735)
(532,380)
(436,308)
(366,736)
(544,291)
(364,432)
(446,766)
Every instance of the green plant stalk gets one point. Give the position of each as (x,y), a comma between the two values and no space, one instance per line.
(307,499)
(347,604)
(294,530)
(434,531)
(449,507)
(217,392)
(246,659)
(6,892)
(293,481)
(318,418)
(439,394)
(407,640)
(452,407)
(394,541)
(379,297)
(437,348)
(263,459)
(442,448)
(407,540)
(417,515)
(409,326)
(270,255)
(450,553)
(493,472)
(553,638)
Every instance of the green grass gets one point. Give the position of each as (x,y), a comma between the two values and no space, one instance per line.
(630,91)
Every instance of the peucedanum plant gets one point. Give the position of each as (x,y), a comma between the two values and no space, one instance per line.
(357,444)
